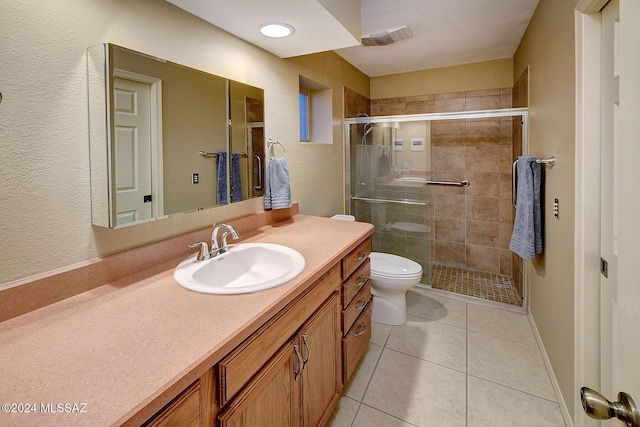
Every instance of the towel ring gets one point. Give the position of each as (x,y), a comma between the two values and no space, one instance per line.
(271,143)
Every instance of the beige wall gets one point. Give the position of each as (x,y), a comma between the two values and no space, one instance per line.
(44,157)
(477,76)
(548,47)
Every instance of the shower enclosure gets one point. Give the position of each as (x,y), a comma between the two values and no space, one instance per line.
(437,188)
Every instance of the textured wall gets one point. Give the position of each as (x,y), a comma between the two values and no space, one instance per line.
(548,48)
(44,157)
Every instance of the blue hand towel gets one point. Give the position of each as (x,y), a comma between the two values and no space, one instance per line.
(526,239)
(221,175)
(277,194)
(384,165)
(236,181)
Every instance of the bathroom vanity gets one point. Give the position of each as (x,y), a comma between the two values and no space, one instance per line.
(144,351)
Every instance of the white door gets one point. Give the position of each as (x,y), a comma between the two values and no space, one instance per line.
(619,204)
(609,195)
(132,150)
(627,372)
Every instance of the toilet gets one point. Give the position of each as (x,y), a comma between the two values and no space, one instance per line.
(391,277)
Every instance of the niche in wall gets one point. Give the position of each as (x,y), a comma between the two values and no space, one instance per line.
(316,113)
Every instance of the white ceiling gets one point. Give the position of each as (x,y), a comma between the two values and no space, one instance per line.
(445,32)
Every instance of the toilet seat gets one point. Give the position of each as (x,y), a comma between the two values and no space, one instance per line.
(389,265)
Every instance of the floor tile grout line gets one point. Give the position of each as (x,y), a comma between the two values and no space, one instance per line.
(534,345)
(386,413)
(426,360)
(513,388)
(373,372)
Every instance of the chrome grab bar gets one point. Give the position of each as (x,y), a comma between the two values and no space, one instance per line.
(259,186)
(399,201)
(464,183)
(214,154)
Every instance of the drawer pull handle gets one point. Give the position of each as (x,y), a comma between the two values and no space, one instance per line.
(362,281)
(362,305)
(362,255)
(306,344)
(300,361)
(363,325)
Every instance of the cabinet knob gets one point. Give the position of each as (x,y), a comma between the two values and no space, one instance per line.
(300,361)
(362,255)
(362,281)
(363,304)
(363,325)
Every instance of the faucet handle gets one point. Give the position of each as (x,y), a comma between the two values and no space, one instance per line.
(203,253)
(234,234)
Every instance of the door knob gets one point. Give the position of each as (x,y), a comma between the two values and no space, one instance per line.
(597,406)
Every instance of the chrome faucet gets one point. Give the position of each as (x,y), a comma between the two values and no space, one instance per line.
(222,248)
(402,172)
(204,253)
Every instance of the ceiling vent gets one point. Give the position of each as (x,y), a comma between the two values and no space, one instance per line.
(387,37)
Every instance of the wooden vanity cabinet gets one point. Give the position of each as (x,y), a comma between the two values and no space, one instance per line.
(191,408)
(356,307)
(301,383)
(290,372)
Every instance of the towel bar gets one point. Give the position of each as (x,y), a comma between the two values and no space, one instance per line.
(272,142)
(208,154)
(550,161)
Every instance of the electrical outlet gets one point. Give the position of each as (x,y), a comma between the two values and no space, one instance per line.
(556,209)
(195,178)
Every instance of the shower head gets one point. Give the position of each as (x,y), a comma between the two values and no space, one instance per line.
(368,127)
(367,130)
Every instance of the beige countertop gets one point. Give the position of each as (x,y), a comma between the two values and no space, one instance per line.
(123,350)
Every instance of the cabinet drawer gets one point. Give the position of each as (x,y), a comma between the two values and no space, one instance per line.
(239,366)
(356,307)
(355,283)
(184,410)
(356,257)
(355,343)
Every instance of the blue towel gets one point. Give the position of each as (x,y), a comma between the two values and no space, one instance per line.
(526,239)
(277,194)
(236,181)
(221,175)
(384,165)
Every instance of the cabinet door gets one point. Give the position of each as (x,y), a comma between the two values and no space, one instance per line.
(322,380)
(194,407)
(272,398)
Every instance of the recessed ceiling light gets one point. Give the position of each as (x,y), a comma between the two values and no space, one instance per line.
(276,30)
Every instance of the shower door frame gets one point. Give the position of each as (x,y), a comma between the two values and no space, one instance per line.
(456,115)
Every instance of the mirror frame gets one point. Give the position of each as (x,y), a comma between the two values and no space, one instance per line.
(100,75)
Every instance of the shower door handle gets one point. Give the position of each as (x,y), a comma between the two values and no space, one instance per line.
(513,184)
(259,186)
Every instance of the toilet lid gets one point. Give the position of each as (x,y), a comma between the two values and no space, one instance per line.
(393,265)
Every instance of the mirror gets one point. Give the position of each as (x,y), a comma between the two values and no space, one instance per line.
(166,139)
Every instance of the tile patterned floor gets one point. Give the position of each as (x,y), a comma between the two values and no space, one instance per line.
(453,364)
(489,286)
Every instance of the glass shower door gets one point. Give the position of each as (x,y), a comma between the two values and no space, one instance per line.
(388,174)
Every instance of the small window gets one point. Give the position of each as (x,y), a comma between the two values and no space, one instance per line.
(304,116)
(316,125)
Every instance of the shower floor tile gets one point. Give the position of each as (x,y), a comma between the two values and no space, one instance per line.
(479,284)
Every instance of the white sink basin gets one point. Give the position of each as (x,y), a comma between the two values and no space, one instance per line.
(244,268)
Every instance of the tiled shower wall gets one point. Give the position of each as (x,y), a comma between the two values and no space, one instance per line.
(520,99)
(471,227)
